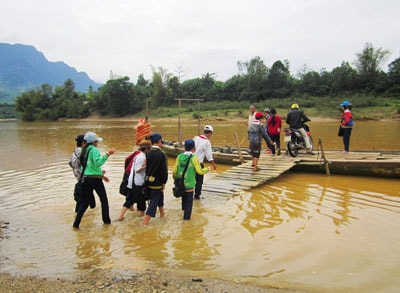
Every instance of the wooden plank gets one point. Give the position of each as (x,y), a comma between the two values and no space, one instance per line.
(242,177)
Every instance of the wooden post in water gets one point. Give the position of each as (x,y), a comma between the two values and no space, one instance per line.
(198,117)
(179,126)
(179,118)
(238,146)
(326,163)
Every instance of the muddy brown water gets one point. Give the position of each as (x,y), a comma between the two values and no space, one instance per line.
(300,231)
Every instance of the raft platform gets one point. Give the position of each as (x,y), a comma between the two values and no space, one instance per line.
(359,163)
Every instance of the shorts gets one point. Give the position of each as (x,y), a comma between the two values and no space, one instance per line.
(255,149)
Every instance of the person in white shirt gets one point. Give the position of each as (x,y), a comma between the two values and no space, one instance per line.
(203,151)
(136,181)
(252,115)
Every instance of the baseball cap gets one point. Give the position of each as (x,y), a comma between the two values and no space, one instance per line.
(92,137)
(345,103)
(259,115)
(189,144)
(209,128)
(155,137)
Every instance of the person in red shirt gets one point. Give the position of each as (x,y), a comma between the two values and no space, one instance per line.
(274,123)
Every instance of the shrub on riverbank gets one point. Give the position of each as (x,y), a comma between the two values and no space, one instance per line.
(364,107)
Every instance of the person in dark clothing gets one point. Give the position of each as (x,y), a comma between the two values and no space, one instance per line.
(296,119)
(156,177)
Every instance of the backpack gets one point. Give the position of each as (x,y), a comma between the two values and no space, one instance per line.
(75,163)
(123,187)
(129,161)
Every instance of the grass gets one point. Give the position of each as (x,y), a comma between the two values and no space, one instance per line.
(364,108)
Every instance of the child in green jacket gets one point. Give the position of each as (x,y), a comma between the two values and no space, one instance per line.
(190,175)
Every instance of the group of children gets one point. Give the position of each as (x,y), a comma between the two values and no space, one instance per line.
(146,172)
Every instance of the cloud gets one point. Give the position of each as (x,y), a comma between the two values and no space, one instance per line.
(128,36)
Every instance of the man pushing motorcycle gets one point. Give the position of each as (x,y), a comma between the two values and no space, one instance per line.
(296,119)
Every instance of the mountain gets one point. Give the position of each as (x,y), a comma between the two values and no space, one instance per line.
(23,68)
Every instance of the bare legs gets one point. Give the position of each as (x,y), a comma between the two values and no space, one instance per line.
(255,164)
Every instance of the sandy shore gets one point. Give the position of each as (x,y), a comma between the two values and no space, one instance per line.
(104,281)
(151,281)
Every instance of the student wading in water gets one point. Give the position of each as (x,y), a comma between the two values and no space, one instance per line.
(203,151)
(193,169)
(93,176)
(156,177)
(136,181)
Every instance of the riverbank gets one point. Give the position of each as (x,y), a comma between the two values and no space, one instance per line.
(135,118)
(149,281)
(133,281)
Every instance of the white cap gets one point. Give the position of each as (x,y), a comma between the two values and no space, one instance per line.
(91,137)
(209,128)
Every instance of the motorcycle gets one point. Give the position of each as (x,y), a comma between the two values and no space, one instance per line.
(294,141)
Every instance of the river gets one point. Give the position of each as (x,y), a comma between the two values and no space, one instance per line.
(304,231)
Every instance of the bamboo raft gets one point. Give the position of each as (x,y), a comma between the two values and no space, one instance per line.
(242,177)
(360,163)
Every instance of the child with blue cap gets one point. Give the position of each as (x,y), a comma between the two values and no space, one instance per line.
(193,166)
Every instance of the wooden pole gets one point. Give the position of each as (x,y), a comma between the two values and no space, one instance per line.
(326,163)
(179,126)
(147,110)
(179,118)
(238,146)
(198,117)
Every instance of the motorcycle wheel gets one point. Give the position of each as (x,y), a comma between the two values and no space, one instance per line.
(293,151)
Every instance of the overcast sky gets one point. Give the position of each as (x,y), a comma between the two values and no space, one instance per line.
(127,37)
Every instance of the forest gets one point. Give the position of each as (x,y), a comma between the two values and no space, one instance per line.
(363,81)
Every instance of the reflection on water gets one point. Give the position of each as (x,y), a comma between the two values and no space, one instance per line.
(300,230)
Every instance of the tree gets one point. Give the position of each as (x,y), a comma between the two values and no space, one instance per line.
(33,105)
(279,81)
(232,88)
(368,64)
(161,95)
(255,75)
(173,88)
(117,94)
(393,85)
(44,103)
(192,88)
(343,79)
